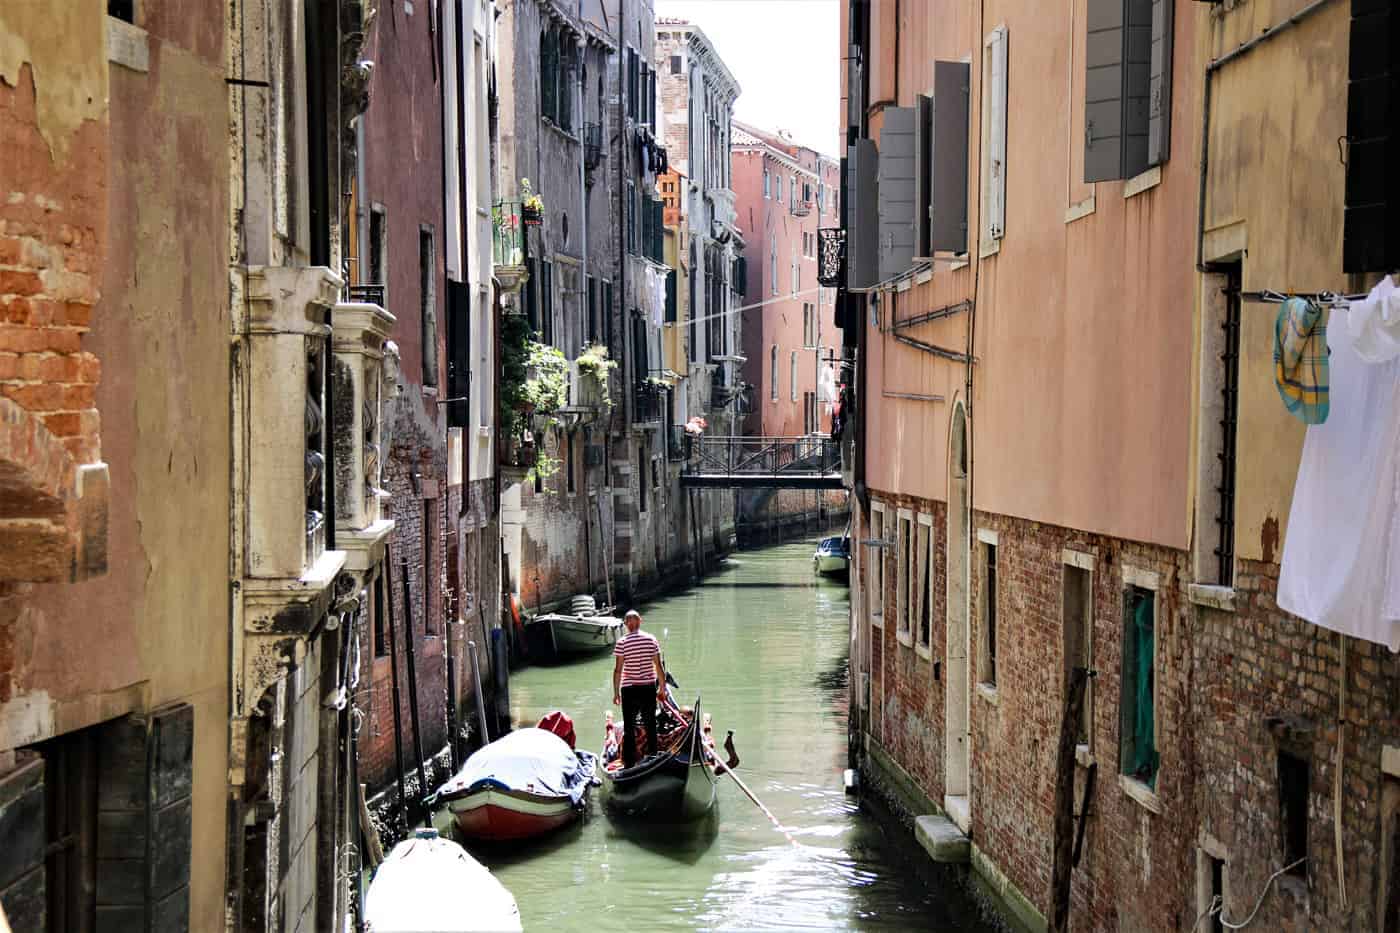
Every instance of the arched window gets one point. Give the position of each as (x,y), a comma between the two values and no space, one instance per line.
(773,374)
(549,67)
(792,376)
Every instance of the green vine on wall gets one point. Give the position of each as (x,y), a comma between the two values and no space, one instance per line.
(534,380)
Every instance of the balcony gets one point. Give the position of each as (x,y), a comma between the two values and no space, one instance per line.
(367,294)
(648,403)
(677,444)
(831,257)
(592,146)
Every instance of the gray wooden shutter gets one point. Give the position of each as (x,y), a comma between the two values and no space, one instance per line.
(22,874)
(862,197)
(1103,91)
(1371,234)
(896,194)
(169,794)
(1137,78)
(1159,92)
(923,174)
(948,207)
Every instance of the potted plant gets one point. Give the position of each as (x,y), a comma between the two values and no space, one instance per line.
(531,205)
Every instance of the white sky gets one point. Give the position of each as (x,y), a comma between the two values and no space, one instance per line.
(785,54)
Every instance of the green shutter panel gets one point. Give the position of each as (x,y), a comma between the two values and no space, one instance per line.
(1159,103)
(1371,234)
(671,295)
(948,204)
(1103,91)
(896,194)
(1127,688)
(923,171)
(458,353)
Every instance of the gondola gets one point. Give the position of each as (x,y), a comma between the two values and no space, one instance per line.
(676,785)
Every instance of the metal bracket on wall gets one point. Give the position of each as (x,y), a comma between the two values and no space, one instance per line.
(925,317)
(935,350)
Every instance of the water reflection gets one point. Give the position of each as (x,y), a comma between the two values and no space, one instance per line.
(764,641)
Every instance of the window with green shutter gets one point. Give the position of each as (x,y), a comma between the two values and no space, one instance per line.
(1137,741)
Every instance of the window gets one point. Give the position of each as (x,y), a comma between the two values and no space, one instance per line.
(994,63)
(987,653)
(632,207)
(1369,243)
(377,273)
(904,579)
(641,478)
(796,274)
(940,176)
(547,302)
(773,263)
(876,583)
(809,413)
(671,307)
(427,285)
(1127,99)
(632,89)
(773,374)
(792,376)
(564,96)
(924,555)
(1077,623)
(592,300)
(1293,811)
(381,627)
(1137,742)
(429,568)
(1229,356)
(569,463)
(675,64)
(778,192)
(766,182)
(549,73)
(122,9)
(809,325)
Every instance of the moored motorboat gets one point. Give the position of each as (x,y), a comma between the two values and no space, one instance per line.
(833,556)
(522,785)
(583,634)
(431,883)
(676,785)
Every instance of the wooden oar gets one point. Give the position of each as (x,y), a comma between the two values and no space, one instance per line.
(759,803)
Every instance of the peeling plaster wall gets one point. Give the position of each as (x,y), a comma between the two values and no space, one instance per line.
(154,630)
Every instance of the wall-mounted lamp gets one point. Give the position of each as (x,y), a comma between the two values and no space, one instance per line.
(415,482)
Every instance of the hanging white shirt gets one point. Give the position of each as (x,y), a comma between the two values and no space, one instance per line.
(1341,557)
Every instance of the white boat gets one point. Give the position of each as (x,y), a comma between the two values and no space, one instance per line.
(833,556)
(431,883)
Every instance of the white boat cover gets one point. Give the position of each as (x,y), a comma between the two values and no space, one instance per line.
(433,884)
(532,760)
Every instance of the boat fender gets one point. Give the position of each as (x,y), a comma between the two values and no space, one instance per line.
(515,610)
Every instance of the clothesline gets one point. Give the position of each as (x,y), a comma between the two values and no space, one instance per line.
(1330,299)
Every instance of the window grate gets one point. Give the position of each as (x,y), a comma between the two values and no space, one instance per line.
(1229,430)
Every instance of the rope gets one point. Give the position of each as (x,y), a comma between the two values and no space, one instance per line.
(1217,905)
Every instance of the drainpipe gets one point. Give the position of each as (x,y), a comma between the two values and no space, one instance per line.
(1211,69)
(582,150)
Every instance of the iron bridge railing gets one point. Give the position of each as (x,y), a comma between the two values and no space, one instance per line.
(738,455)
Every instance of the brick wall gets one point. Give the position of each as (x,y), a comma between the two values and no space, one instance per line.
(1263,680)
(1138,867)
(52,229)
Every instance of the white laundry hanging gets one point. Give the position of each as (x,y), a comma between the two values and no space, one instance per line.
(1341,557)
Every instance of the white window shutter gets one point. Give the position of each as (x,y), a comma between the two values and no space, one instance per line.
(996,163)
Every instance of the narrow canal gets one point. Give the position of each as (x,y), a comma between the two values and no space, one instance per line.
(763,641)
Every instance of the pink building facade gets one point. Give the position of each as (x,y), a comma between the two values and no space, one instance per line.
(783,193)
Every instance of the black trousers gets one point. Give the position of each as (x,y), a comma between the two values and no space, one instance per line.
(638,700)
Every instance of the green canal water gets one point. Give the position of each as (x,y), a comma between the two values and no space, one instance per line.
(763,642)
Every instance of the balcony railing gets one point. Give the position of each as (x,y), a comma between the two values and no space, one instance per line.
(677,444)
(831,257)
(592,146)
(648,403)
(367,294)
(507,234)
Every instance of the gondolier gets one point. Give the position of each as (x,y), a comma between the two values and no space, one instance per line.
(638,682)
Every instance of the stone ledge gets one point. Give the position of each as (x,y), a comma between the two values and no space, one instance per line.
(1212,597)
(943,841)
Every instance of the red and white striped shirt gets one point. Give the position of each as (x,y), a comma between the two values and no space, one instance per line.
(638,652)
